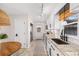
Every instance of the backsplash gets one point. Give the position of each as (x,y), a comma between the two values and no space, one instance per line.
(73,40)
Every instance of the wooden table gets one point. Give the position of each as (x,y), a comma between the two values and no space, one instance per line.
(8,48)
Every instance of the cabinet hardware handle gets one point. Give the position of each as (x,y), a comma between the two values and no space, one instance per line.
(52,47)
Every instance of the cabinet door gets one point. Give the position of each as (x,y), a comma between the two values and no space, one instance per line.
(48,47)
(59,53)
(74,6)
(53,53)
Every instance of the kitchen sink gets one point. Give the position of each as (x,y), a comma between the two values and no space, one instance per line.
(58,41)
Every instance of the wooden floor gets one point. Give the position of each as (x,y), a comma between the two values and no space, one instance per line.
(37,48)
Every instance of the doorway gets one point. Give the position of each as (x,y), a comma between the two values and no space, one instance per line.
(31,32)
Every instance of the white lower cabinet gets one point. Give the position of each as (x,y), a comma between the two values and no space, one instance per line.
(53,50)
(48,47)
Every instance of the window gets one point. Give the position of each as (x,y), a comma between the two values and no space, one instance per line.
(71,29)
(38,29)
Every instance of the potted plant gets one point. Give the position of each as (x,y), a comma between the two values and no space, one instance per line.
(3,36)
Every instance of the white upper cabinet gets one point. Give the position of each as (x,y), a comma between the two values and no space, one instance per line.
(74,7)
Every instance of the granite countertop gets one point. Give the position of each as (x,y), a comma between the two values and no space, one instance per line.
(71,47)
(50,35)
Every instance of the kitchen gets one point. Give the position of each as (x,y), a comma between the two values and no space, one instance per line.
(62,40)
(54,24)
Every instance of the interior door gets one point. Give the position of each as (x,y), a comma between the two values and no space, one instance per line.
(39,33)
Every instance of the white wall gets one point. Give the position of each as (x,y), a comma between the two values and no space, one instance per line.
(8,30)
(19,25)
(56,25)
(48,23)
(22,28)
(74,6)
(53,20)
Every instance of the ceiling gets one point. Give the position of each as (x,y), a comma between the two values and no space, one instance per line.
(21,8)
(53,7)
(32,9)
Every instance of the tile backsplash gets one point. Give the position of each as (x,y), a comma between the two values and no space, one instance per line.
(73,40)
